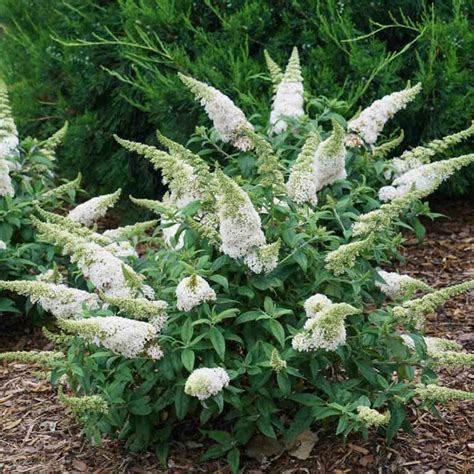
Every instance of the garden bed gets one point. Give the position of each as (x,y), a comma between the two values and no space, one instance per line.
(37,434)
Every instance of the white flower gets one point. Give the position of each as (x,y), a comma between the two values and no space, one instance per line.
(396,285)
(90,211)
(288,100)
(192,291)
(204,383)
(122,249)
(264,259)
(315,304)
(371,120)
(124,336)
(329,159)
(3,245)
(104,270)
(8,145)
(6,186)
(228,119)
(240,226)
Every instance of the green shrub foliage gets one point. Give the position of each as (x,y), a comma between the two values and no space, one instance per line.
(110,67)
(258,304)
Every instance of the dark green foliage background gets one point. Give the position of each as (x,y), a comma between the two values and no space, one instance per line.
(129,86)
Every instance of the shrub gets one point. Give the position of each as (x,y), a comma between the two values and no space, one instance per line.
(272,314)
(119,77)
(27,179)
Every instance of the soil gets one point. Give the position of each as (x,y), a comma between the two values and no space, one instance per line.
(37,435)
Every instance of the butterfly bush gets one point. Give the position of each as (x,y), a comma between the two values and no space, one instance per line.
(264,299)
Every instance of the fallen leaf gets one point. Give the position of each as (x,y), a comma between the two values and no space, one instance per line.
(11,424)
(79,465)
(261,447)
(304,443)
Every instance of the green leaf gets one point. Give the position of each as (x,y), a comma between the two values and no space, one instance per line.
(215,451)
(265,426)
(181,402)
(221,280)
(187,331)
(397,416)
(218,341)
(277,331)
(140,406)
(8,306)
(187,358)
(233,458)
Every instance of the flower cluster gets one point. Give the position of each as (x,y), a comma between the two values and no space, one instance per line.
(60,300)
(92,210)
(421,155)
(264,259)
(425,178)
(92,403)
(8,133)
(371,417)
(343,258)
(6,185)
(3,245)
(41,358)
(288,100)
(371,120)
(324,329)
(205,382)
(130,231)
(228,119)
(123,336)
(192,291)
(436,393)
(395,285)
(412,312)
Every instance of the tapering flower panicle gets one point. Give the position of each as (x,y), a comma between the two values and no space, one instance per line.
(48,147)
(228,119)
(276,362)
(396,286)
(413,311)
(158,207)
(384,218)
(424,179)
(62,190)
(58,299)
(91,211)
(105,271)
(264,259)
(422,155)
(268,166)
(92,403)
(344,257)
(141,308)
(329,161)
(288,100)
(192,291)
(371,417)
(436,393)
(370,122)
(276,74)
(240,226)
(123,336)
(130,231)
(324,329)
(384,149)
(206,382)
(8,133)
(41,358)
(6,184)
(302,184)
(315,304)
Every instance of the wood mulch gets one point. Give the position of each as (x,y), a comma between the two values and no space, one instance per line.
(37,435)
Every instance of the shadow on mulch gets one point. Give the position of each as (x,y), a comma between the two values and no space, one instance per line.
(37,435)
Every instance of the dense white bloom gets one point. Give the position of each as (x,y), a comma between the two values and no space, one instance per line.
(192,291)
(124,336)
(205,382)
(122,249)
(315,304)
(371,417)
(240,226)
(302,184)
(90,211)
(60,300)
(396,285)
(324,329)
(3,245)
(424,179)
(329,161)
(288,100)
(371,120)
(264,259)
(8,132)
(6,186)
(104,270)
(228,119)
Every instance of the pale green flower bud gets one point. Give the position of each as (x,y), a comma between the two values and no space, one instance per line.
(371,417)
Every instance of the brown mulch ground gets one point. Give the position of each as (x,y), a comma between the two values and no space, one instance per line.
(38,436)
